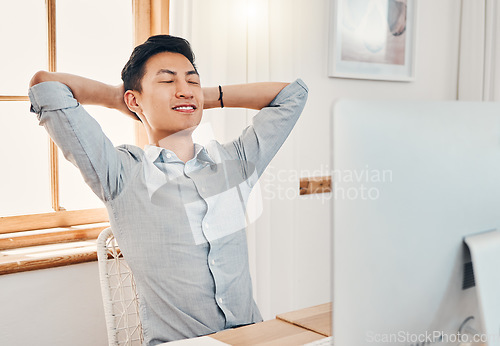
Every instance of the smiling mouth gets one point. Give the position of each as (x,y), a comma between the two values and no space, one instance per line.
(185,108)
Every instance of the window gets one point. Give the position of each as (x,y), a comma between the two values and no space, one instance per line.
(41,193)
(23,54)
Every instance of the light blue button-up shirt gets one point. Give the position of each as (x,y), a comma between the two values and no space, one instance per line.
(181,226)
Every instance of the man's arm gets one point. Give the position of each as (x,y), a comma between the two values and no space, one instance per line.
(78,134)
(251,96)
(91,92)
(270,127)
(88,91)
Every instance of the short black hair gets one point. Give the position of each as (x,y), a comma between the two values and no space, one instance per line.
(134,69)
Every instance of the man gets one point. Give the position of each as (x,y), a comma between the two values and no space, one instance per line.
(176,208)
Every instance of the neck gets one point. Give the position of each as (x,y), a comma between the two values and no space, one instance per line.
(181,143)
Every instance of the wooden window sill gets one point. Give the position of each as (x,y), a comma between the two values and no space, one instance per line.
(75,246)
(46,256)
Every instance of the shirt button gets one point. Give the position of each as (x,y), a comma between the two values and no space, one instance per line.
(220,300)
(213,262)
(169,155)
(206,225)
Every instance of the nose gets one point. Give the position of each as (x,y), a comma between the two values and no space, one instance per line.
(183,90)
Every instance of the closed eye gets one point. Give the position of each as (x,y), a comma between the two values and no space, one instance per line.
(166,81)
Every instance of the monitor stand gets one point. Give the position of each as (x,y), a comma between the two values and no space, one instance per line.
(485,253)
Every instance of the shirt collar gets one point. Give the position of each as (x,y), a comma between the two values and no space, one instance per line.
(201,153)
(152,153)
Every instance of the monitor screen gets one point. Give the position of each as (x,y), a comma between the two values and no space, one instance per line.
(410,180)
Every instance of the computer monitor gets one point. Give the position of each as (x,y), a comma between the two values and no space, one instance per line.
(411,180)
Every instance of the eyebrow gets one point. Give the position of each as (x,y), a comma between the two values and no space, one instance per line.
(173,73)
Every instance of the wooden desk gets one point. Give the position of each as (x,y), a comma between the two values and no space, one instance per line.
(272,332)
(316,318)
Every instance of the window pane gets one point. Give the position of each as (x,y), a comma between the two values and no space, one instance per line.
(94,39)
(24,177)
(74,193)
(24,44)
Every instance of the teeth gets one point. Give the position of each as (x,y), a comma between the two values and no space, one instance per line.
(185,108)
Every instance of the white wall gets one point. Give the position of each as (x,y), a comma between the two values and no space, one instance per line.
(285,39)
(57,306)
(300,243)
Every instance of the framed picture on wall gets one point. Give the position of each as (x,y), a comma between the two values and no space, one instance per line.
(373,39)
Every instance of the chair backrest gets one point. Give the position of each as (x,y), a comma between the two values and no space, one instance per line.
(121,306)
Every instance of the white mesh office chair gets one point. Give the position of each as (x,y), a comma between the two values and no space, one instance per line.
(121,307)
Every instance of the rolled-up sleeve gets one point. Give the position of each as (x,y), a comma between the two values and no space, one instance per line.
(260,142)
(79,137)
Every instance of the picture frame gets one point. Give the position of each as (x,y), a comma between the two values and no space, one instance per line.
(373,39)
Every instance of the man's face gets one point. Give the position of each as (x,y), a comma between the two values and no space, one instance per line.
(171,99)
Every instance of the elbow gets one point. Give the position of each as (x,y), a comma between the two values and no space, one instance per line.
(39,77)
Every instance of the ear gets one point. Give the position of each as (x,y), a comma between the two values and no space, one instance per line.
(130,99)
